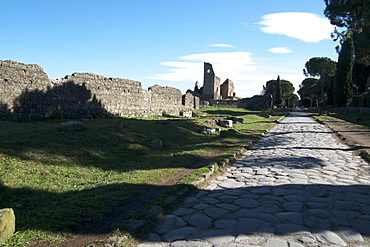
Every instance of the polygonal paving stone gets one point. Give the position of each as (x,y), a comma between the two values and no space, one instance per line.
(317,205)
(332,237)
(231,184)
(350,234)
(227,206)
(294,244)
(261,191)
(227,198)
(225,224)
(254,226)
(245,213)
(293,217)
(293,206)
(320,213)
(170,223)
(269,208)
(364,226)
(346,214)
(180,233)
(217,237)
(249,240)
(346,205)
(190,201)
(269,218)
(183,243)
(306,240)
(216,213)
(366,210)
(295,198)
(234,192)
(200,221)
(282,192)
(201,206)
(275,243)
(183,211)
(292,229)
(247,203)
(314,222)
(210,200)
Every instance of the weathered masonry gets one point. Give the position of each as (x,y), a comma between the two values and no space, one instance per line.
(212,89)
(26,93)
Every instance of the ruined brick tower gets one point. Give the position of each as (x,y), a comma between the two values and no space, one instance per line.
(227,89)
(211,84)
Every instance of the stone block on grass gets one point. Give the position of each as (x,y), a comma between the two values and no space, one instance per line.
(7,223)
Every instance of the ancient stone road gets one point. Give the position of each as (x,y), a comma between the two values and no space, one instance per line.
(299,186)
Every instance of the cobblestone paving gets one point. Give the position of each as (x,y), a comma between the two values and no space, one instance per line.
(299,186)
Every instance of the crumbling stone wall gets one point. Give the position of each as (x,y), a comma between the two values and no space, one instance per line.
(257,102)
(211,84)
(223,102)
(189,101)
(227,89)
(26,92)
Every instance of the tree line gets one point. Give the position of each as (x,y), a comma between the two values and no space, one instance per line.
(335,83)
(348,80)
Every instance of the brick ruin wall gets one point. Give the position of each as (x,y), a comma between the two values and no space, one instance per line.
(26,93)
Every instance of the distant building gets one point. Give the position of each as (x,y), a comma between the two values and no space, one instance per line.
(212,90)
(211,84)
(227,90)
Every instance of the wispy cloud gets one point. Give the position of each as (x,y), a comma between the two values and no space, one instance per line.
(280,50)
(227,64)
(181,71)
(222,45)
(300,25)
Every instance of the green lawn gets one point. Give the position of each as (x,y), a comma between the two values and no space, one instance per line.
(62,183)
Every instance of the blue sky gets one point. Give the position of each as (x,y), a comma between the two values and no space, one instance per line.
(166,42)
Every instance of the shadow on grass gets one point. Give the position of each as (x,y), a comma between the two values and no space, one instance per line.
(120,145)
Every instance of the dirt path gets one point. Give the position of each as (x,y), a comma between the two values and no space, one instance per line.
(124,211)
(353,135)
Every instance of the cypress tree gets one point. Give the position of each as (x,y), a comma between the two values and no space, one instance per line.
(278,92)
(342,88)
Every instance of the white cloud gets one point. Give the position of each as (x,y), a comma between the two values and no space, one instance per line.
(222,45)
(280,50)
(182,71)
(231,65)
(304,26)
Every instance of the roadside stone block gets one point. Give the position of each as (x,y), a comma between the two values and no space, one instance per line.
(7,223)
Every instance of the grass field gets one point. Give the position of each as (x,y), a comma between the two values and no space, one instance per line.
(61,183)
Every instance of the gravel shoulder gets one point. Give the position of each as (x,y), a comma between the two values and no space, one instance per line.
(353,135)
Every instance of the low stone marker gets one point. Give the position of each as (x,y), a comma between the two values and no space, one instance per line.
(7,223)
(71,126)
(156,144)
(186,113)
(226,123)
(236,120)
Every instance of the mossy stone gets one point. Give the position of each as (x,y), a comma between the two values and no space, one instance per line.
(7,223)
